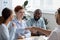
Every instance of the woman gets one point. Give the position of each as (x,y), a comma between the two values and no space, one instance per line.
(20,23)
(5,33)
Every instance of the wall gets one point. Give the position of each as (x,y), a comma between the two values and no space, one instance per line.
(51,20)
(5,3)
(0,7)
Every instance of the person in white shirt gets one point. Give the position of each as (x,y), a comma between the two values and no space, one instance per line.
(55,34)
(5,32)
(21,32)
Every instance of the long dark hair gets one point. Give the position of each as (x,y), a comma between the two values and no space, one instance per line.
(6,12)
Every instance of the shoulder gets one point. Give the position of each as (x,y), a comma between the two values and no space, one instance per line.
(31,19)
(1,28)
(14,21)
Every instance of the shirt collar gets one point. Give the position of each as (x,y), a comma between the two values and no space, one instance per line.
(3,25)
(18,20)
(38,20)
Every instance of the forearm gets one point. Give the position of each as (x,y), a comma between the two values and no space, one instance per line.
(46,32)
(32,30)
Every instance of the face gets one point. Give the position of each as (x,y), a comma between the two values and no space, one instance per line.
(57,16)
(20,13)
(37,15)
(11,17)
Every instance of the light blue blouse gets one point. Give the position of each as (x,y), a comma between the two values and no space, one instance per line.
(20,31)
(5,33)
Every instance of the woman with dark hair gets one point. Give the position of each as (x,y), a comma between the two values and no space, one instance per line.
(5,33)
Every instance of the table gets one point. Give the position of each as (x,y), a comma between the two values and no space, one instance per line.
(35,38)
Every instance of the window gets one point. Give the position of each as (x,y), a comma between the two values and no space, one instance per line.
(47,6)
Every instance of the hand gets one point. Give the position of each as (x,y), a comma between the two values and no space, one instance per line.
(20,37)
(33,30)
(13,24)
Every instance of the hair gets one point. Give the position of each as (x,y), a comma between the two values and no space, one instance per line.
(17,8)
(58,11)
(37,10)
(6,13)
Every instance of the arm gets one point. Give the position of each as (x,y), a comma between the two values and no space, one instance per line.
(34,29)
(46,32)
(12,30)
(27,33)
(43,24)
(53,36)
(5,33)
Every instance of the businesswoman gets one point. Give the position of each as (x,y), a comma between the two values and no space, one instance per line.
(5,32)
(20,23)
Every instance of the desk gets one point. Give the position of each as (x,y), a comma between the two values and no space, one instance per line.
(35,38)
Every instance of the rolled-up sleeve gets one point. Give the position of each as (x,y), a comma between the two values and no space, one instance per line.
(28,23)
(43,24)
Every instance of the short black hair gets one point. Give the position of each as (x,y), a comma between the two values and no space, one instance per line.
(37,11)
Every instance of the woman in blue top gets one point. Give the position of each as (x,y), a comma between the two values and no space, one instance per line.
(21,32)
(5,32)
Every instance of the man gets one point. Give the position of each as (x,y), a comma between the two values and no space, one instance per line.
(55,34)
(37,21)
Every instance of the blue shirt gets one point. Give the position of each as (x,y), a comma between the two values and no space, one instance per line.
(5,33)
(40,23)
(20,31)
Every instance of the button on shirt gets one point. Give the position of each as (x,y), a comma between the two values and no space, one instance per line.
(55,35)
(20,31)
(40,23)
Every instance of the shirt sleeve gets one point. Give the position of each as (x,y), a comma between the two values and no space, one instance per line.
(53,36)
(28,23)
(27,33)
(5,34)
(43,24)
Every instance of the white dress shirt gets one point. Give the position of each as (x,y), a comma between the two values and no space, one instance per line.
(55,34)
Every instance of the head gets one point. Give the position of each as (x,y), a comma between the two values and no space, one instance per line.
(37,14)
(6,15)
(19,11)
(58,16)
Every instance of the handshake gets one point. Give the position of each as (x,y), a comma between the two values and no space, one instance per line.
(35,31)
